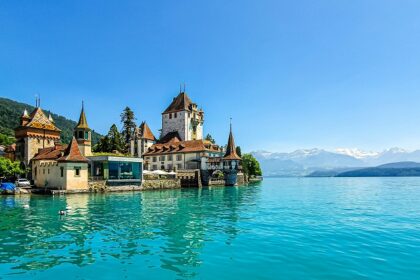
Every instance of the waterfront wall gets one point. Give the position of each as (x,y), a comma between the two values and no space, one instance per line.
(189,178)
(154,184)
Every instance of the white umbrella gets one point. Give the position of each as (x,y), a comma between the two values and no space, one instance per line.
(159,172)
(147,172)
(172,173)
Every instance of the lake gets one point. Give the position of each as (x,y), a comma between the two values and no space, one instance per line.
(282,228)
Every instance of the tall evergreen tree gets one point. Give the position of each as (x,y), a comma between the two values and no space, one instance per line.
(128,123)
(113,141)
(116,141)
(238,151)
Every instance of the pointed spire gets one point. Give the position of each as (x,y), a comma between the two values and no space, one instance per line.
(231,148)
(82,119)
(25,114)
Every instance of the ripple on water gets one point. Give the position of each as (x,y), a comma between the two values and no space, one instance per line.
(341,228)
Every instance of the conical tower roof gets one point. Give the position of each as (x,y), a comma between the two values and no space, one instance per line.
(72,153)
(82,120)
(231,148)
(146,132)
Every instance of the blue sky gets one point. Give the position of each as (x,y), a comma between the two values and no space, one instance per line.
(291,74)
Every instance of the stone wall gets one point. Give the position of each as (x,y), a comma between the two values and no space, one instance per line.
(241,179)
(190,178)
(97,186)
(154,184)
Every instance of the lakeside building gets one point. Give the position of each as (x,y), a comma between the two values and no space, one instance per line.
(36,131)
(61,167)
(69,167)
(181,146)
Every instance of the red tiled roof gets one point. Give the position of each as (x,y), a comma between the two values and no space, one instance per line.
(61,152)
(51,153)
(179,147)
(146,132)
(180,103)
(72,153)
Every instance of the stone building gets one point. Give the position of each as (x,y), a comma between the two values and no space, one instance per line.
(179,155)
(61,167)
(182,118)
(36,131)
(182,148)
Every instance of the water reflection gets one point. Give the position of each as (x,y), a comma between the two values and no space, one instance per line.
(172,226)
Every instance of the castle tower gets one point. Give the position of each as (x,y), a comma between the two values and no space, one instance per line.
(143,139)
(183,119)
(231,161)
(83,134)
(36,131)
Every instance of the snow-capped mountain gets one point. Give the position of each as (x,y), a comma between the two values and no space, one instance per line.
(356,153)
(302,162)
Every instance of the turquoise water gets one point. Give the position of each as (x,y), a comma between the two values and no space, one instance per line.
(311,228)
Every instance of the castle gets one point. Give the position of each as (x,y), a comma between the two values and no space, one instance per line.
(181,145)
(180,148)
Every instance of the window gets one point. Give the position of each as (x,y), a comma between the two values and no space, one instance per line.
(170,116)
(43,171)
(81,134)
(178,157)
(77,171)
(179,166)
(162,158)
(154,167)
(36,171)
(175,115)
(86,135)
(170,157)
(170,167)
(62,171)
(154,159)
(48,171)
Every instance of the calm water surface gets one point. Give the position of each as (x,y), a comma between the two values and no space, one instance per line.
(320,228)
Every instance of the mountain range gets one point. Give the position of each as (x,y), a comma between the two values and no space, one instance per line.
(306,161)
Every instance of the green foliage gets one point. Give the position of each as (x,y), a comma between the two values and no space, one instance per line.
(239,151)
(11,111)
(10,168)
(113,141)
(250,165)
(128,124)
(210,138)
(6,139)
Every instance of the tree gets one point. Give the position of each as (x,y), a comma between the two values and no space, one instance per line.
(10,168)
(250,165)
(210,138)
(113,141)
(238,151)
(6,139)
(129,125)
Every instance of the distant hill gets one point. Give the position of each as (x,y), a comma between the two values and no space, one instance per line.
(322,163)
(10,112)
(397,169)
